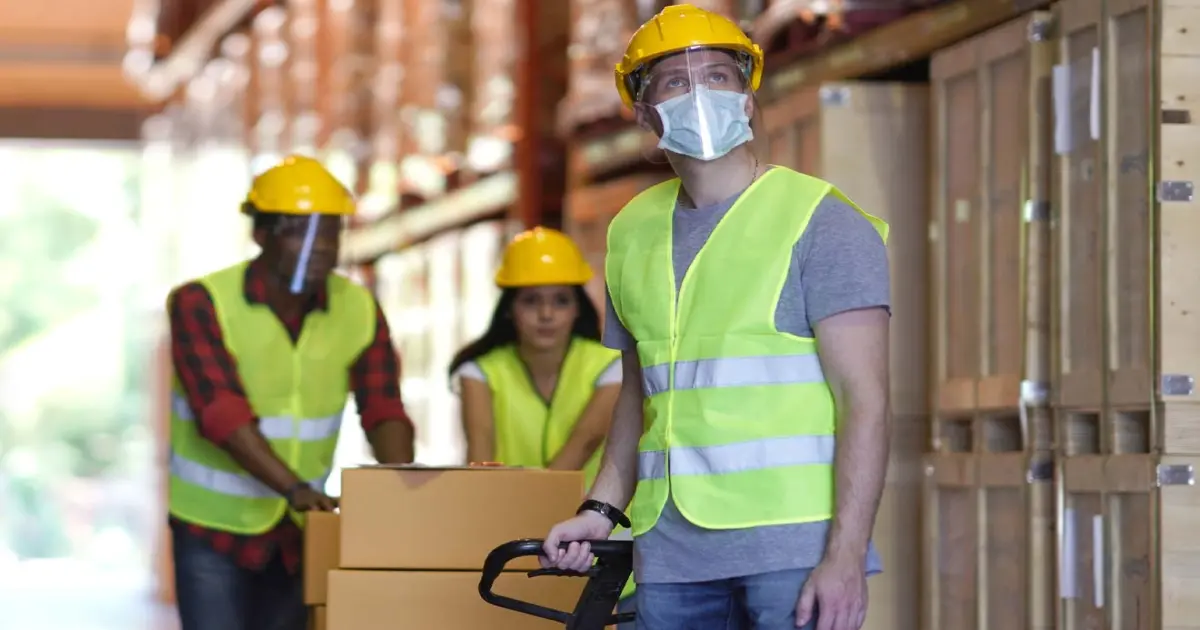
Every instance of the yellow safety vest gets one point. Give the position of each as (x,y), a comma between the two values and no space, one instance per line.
(739,420)
(528,433)
(297,390)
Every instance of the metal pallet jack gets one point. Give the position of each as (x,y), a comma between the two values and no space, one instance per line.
(606,578)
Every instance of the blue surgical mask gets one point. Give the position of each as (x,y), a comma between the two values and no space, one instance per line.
(704,124)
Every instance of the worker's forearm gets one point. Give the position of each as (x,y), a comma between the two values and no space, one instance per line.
(618,471)
(576,452)
(252,452)
(860,467)
(392,442)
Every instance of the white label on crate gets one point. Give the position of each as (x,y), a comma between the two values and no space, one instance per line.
(962,210)
(1066,579)
(1061,88)
(1094,109)
(1098,561)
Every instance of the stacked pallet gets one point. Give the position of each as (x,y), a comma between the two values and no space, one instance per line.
(871,140)
(988,496)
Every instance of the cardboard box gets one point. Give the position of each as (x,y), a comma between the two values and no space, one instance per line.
(317,618)
(421,518)
(441,600)
(322,537)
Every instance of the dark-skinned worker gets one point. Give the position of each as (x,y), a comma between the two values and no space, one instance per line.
(538,387)
(751,306)
(265,354)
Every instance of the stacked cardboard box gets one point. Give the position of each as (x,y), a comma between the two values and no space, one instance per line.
(409,543)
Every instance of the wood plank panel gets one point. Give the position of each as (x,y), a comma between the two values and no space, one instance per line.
(1176,228)
(992,102)
(1079,239)
(989,526)
(1107,557)
(1126,128)
(822,131)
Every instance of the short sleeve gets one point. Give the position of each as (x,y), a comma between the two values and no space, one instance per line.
(616,336)
(611,375)
(470,370)
(844,264)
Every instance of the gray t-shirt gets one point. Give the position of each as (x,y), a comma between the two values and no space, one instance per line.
(839,264)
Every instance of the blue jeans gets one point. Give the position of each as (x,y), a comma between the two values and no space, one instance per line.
(214,593)
(755,602)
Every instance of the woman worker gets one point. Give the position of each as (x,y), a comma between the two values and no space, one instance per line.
(538,388)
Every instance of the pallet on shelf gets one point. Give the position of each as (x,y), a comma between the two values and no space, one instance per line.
(991,208)
(827,131)
(988,541)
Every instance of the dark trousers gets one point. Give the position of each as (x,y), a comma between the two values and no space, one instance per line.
(214,593)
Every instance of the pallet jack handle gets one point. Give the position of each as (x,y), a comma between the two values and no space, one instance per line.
(614,563)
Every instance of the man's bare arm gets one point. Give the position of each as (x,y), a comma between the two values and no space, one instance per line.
(853,347)
(618,469)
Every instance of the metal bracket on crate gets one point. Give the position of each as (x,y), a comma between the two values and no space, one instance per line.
(1040,30)
(834,95)
(1036,211)
(1040,470)
(1176,475)
(1035,393)
(1174,191)
(1177,385)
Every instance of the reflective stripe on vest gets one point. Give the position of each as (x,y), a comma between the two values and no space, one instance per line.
(276,427)
(796,450)
(232,484)
(733,372)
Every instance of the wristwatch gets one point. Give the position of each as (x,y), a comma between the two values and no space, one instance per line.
(607,510)
(290,493)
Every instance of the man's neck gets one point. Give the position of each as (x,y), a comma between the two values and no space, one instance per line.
(708,183)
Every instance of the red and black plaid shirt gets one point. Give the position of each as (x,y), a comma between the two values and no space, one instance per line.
(210,381)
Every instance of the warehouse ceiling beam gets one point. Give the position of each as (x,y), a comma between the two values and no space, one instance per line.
(158,80)
(483,199)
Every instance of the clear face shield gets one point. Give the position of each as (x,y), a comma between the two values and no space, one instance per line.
(308,249)
(703,101)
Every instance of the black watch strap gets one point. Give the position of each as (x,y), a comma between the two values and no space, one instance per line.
(608,510)
(290,493)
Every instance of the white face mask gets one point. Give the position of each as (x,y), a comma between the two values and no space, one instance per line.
(704,124)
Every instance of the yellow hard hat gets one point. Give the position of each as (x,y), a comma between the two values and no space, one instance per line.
(299,185)
(540,257)
(677,28)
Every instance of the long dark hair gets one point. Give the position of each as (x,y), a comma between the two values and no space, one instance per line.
(502,331)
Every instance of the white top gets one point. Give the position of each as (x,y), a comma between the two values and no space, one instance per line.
(610,376)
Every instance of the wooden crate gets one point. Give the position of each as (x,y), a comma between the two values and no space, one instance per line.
(271,128)
(895,594)
(494,27)
(587,214)
(824,132)
(600,30)
(989,535)
(1177,229)
(991,204)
